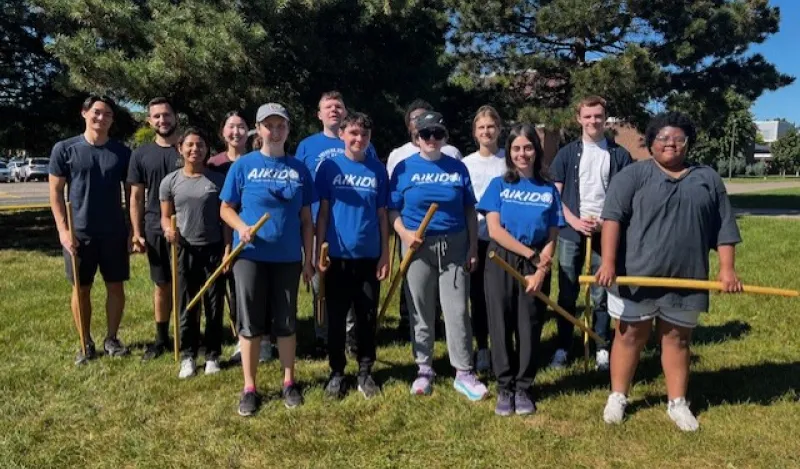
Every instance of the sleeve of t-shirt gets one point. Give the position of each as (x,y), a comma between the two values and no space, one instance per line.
(372,153)
(556,211)
(321,181)
(165,188)
(58,161)
(625,159)
(383,187)
(309,194)
(558,168)
(391,162)
(396,188)
(619,198)
(469,192)
(457,153)
(135,175)
(300,154)
(728,232)
(232,189)
(490,202)
(126,157)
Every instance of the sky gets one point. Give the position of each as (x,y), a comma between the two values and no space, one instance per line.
(783,50)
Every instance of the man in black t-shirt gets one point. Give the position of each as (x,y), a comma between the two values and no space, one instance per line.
(93,167)
(150,163)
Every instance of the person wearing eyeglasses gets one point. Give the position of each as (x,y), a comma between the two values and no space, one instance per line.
(444,258)
(582,171)
(662,218)
(268,269)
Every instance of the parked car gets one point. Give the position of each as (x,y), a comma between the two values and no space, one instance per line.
(5,173)
(35,168)
(14,167)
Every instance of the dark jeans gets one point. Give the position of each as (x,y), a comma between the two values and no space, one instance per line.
(571,257)
(477,299)
(515,323)
(195,265)
(352,283)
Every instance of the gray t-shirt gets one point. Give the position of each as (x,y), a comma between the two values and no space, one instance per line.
(197,204)
(668,227)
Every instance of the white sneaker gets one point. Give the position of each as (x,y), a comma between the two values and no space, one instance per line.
(559,359)
(187,368)
(266,351)
(483,362)
(602,358)
(678,410)
(615,408)
(212,367)
(237,354)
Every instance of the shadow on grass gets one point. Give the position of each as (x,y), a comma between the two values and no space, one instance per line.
(765,201)
(29,230)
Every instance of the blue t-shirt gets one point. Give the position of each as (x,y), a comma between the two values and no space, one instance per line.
(417,182)
(527,208)
(281,186)
(315,149)
(355,190)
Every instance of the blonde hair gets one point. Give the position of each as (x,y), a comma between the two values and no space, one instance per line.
(487,111)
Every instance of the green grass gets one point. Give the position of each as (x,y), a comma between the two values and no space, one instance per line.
(761,179)
(122,413)
(773,199)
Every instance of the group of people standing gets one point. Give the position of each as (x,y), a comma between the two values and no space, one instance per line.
(334,196)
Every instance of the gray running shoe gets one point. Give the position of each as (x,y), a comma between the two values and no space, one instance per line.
(114,347)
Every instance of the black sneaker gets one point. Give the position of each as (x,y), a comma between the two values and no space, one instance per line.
(154,351)
(336,387)
(114,347)
(291,396)
(91,353)
(249,403)
(367,386)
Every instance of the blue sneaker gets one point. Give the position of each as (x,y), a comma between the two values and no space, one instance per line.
(523,403)
(468,384)
(505,403)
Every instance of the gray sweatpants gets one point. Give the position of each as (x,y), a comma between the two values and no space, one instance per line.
(437,274)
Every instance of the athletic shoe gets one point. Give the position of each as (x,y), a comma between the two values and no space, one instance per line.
(188,368)
(91,353)
(523,404)
(423,385)
(237,354)
(291,396)
(265,354)
(615,408)
(154,351)
(678,410)
(212,366)
(483,363)
(602,359)
(249,403)
(114,347)
(468,384)
(559,359)
(367,386)
(336,387)
(505,403)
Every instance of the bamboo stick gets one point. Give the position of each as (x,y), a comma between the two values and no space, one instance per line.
(76,280)
(689,284)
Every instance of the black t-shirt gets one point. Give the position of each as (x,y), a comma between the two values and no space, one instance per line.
(220,163)
(668,227)
(150,163)
(94,175)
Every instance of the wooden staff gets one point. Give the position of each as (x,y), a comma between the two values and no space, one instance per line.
(689,284)
(407,260)
(587,300)
(173,249)
(326,261)
(558,309)
(392,249)
(228,259)
(76,281)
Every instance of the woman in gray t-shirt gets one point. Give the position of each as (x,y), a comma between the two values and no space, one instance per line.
(192,194)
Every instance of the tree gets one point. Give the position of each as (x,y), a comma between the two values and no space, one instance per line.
(786,152)
(636,53)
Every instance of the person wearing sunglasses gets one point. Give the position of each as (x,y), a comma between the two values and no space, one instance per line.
(268,269)
(439,271)
(662,217)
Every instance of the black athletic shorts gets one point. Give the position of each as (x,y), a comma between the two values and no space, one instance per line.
(266,294)
(158,257)
(110,254)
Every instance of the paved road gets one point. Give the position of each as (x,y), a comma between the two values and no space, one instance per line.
(14,194)
(743,188)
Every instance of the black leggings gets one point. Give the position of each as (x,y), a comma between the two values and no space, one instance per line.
(477,299)
(195,265)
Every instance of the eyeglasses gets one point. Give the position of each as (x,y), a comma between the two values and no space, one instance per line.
(679,141)
(437,133)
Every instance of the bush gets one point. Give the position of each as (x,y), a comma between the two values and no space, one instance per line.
(756,169)
(739,166)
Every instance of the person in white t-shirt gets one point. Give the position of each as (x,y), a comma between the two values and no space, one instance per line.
(484,165)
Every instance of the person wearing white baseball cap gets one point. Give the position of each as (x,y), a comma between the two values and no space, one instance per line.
(268,269)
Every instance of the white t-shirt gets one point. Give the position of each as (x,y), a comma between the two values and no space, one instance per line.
(482,169)
(400,153)
(593,175)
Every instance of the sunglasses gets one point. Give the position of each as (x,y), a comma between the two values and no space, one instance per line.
(436,133)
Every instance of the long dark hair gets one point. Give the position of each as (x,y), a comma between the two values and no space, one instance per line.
(528,131)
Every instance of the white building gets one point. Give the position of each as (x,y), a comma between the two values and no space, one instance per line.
(770,131)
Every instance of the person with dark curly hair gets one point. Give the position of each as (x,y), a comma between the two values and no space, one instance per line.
(661,218)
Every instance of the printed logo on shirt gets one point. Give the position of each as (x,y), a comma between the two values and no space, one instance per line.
(272,174)
(543,199)
(354,181)
(436,178)
(328,154)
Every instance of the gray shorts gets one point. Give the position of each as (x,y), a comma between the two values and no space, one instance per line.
(266,293)
(630,311)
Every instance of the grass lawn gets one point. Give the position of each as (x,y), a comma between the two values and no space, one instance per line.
(775,199)
(757,179)
(123,413)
